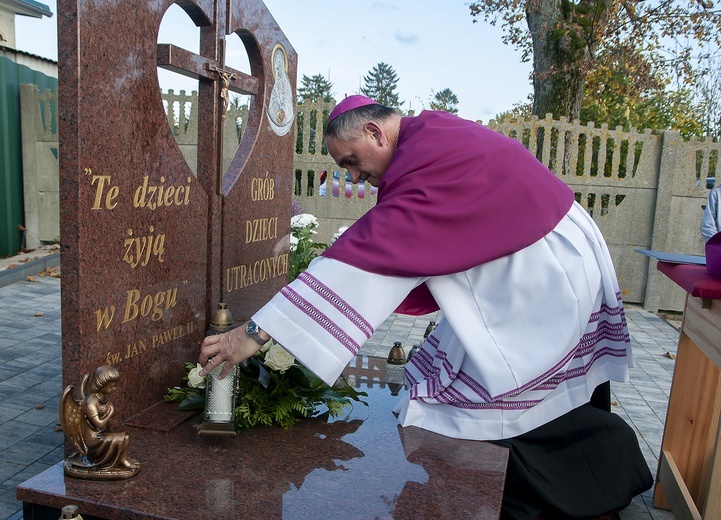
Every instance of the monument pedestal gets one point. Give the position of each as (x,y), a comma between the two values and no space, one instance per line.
(360,466)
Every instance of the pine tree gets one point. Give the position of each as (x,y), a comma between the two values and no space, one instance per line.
(444,100)
(380,84)
(314,89)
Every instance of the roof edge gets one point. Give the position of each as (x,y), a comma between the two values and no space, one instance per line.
(25,53)
(28,8)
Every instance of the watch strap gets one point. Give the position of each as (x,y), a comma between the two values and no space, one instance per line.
(251,329)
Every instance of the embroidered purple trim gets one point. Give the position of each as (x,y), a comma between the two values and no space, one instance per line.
(430,369)
(337,302)
(321,319)
(592,337)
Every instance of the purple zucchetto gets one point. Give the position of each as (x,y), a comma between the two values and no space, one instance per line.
(349,103)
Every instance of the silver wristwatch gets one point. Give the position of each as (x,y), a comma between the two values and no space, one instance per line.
(251,329)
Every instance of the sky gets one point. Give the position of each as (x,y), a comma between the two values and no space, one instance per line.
(431,44)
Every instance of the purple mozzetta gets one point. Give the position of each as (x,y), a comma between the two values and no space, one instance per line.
(456,195)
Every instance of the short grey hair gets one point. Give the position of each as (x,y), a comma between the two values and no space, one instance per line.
(349,124)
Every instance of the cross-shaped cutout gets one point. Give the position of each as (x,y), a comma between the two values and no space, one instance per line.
(189,64)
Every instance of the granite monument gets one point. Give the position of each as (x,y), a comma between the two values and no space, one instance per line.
(149,250)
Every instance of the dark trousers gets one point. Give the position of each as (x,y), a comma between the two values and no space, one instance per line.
(582,465)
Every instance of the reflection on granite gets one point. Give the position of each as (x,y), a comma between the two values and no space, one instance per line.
(359,466)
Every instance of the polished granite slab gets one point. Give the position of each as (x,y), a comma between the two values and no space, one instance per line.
(359,466)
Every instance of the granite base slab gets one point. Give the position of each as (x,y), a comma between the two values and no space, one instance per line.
(360,466)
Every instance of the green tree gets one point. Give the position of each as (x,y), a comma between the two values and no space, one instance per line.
(520,110)
(380,84)
(444,100)
(615,95)
(566,37)
(314,89)
(708,99)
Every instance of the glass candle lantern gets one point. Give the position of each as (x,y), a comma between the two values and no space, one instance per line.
(219,415)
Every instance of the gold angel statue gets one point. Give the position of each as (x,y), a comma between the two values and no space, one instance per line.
(99,454)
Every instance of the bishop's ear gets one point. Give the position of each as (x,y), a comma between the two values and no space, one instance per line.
(373,130)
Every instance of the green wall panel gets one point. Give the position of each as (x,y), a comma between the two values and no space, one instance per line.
(12,76)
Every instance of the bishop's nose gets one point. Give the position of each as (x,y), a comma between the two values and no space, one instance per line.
(354,175)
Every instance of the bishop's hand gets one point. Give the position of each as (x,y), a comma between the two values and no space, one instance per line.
(229,348)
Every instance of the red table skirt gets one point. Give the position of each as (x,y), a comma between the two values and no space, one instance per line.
(693,278)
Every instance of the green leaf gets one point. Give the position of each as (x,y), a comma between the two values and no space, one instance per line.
(193,402)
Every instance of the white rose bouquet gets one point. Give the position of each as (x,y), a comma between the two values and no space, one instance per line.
(194,379)
(277,358)
(273,390)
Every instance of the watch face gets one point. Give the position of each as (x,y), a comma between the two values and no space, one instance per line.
(251,328)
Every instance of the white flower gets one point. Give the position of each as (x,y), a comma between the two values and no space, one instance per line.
(303,220)
(277,358)
(338,233)
(267,346)
(293,243)
(194,380)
